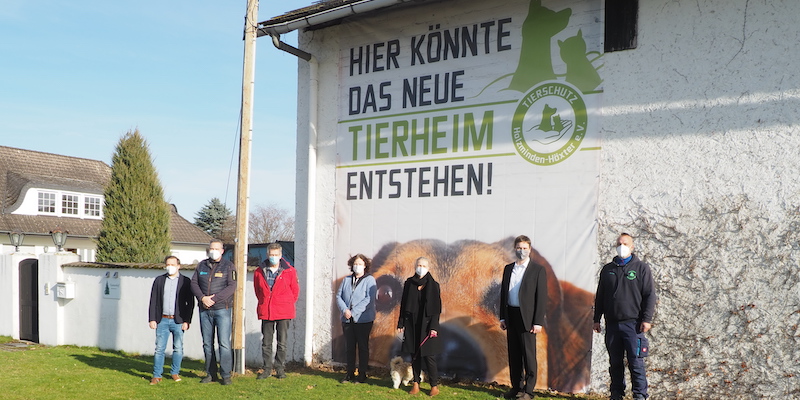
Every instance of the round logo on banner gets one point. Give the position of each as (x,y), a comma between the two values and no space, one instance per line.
(549,123)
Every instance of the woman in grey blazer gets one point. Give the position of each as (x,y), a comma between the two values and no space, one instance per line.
(356,301)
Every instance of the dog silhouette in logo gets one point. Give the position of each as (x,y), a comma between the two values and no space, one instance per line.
(535,58)
(470,273)
(551,128)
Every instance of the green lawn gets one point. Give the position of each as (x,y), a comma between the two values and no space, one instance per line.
(70,372)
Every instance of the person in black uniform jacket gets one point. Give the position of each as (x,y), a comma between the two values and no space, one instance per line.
(420,308)
(523,302)
(213,284)
(626,297)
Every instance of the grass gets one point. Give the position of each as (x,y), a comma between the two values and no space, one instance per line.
(71,372)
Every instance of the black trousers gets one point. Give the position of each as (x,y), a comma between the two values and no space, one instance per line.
(357,339)
(521,352)
(268,331)
(430,366)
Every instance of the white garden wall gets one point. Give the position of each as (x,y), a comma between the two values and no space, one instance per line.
(117,320)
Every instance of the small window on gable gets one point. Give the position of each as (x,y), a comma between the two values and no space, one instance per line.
(621,25)
(91,206)
(47,202)
(69,204)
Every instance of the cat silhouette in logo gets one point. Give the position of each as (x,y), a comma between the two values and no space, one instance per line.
(580,71)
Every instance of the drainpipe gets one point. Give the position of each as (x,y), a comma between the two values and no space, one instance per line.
(313,85)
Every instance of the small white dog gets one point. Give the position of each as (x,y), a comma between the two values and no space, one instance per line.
(401,371)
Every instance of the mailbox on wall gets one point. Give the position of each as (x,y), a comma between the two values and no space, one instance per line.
(65,290)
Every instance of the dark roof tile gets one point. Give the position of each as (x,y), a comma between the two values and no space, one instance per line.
(21,169)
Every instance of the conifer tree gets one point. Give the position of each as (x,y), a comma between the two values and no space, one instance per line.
(136,218)
(216,220)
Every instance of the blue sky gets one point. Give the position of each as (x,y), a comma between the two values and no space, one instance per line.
(77,75)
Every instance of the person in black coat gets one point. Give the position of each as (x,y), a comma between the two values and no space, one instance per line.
(420,308)
(523,302)
(170,311)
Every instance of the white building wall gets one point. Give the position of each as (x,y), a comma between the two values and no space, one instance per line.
(700,135)
(86,248)
(325,55)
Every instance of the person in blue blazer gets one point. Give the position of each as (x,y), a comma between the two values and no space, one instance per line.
(170,312)
(356,301)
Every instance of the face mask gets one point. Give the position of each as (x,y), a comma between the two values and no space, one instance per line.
(358,269)
(421,271)
(274,260)
(172,270)
(623,251)
(214,254)
(523,254)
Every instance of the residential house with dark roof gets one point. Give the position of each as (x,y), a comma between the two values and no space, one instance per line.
(42,192)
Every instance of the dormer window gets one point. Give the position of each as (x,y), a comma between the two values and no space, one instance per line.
(69,204)
(91,206)
(47,202)
(66,204)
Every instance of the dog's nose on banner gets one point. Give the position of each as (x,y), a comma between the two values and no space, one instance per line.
(462,358)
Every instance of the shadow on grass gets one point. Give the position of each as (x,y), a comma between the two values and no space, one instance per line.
(379,377)
(137,366)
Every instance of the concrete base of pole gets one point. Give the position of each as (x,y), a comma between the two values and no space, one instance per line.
(238,361)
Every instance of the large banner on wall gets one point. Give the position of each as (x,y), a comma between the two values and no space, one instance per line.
(463,124)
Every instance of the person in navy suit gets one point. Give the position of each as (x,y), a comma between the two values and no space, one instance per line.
(170,312)
(523,301)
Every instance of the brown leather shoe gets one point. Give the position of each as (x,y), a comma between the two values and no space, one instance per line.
(176,378)
(155,381)
(414,388)
(434,391)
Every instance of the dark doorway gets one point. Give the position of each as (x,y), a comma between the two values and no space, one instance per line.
(29,300)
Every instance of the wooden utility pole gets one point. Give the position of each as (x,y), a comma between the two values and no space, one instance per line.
(243,192)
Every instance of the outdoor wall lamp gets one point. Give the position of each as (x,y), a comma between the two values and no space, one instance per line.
(59,239)
(16,238)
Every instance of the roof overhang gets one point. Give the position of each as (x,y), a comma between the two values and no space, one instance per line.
(322,14)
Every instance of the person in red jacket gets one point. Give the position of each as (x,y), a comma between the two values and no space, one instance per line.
(277,290)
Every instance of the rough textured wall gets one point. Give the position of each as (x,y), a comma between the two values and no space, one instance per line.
(699,164)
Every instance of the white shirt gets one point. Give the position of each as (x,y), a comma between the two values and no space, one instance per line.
(514,283)
(170,292)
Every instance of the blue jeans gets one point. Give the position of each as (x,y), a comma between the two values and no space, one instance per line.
(163,330)
(219,322)
(622,342)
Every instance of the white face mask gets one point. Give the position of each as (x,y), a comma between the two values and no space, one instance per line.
(172,270)
(358,269)
(421,271)
(214,254)
(623,251)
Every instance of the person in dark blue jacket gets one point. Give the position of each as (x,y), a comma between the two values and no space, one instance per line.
(356,302)
(171,309)
(627,299)
(213,284)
